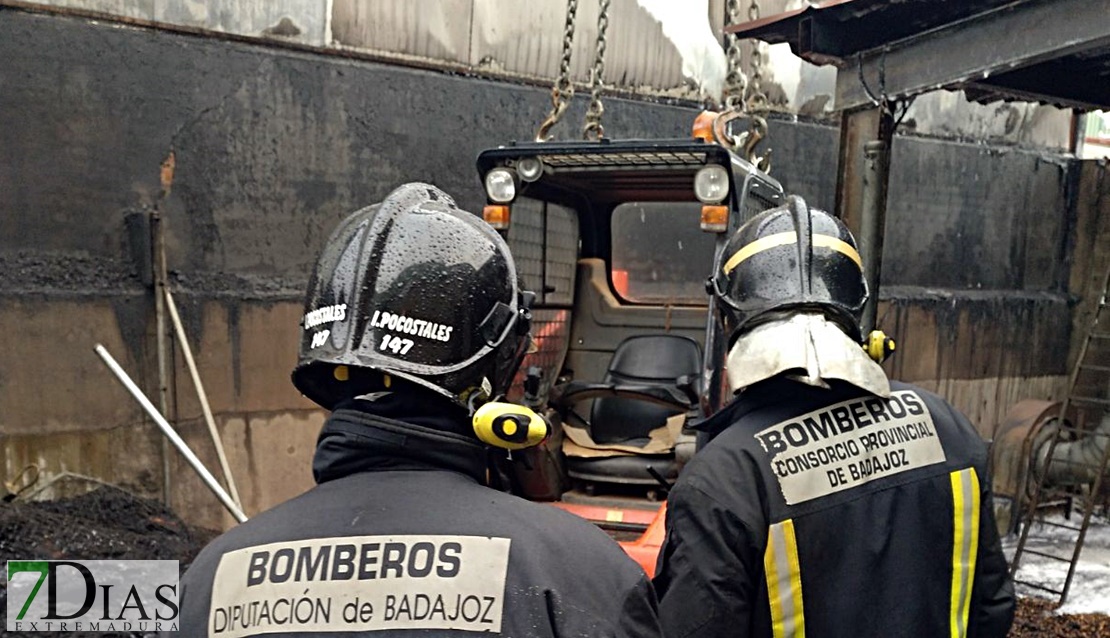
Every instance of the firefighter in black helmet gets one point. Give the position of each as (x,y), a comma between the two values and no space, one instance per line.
(414,326)
(827,500)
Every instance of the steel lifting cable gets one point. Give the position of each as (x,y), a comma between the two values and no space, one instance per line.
(563,90)
(593,130)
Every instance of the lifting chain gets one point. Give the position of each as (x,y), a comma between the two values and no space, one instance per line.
(757,103)
(757,100)
(592,130)
(563,90)
(736,83)
(736,104)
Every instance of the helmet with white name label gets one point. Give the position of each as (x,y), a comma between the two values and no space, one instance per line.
(418,289)
(789,258)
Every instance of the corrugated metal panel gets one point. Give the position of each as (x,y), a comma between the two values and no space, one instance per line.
(298,20)
(143,9)
(638,54)
(304,21)
(527,39)
(501,36)
(436,29)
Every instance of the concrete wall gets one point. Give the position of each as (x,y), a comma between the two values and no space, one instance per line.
(272,147)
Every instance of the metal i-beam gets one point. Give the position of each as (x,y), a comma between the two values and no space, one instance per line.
(1056,82)
(975,48)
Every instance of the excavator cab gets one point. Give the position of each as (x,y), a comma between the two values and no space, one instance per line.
(617,238)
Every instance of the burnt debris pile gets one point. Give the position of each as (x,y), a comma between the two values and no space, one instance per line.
(106,523)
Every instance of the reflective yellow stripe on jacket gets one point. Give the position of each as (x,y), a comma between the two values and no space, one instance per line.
(784,581)
(965,545)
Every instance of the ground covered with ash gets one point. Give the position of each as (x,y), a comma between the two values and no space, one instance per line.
(1036,618)
(104,524)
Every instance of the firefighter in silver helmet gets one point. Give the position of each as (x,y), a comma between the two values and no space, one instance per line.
(414,326)
(826,500)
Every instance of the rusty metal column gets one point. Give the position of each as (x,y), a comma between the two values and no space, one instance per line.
(161,342)
(862,181)
(165,359)
(876,178)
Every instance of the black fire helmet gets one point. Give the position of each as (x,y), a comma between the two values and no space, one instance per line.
(790,257)
(418,289)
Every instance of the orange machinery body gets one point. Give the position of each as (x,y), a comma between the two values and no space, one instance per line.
(644,549)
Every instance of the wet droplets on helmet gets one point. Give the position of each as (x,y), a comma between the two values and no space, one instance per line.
(786,258)
(418,289)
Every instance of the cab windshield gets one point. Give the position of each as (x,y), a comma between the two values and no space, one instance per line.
(660,255)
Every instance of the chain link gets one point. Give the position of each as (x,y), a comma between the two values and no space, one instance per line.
(757,100)
(741,97)
(735,81)
(593,130)
(563,89)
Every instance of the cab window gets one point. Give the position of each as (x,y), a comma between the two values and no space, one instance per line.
(543,239)
(660,255)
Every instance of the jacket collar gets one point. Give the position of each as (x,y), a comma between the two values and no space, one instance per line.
(774,394)
(395,431)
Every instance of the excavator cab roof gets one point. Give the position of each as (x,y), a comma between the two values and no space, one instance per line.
(615,171)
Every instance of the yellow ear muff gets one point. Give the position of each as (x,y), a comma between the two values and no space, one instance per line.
(509,426)
(878,346)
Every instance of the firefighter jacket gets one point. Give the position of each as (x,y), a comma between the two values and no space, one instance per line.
(832,512)
(401,534)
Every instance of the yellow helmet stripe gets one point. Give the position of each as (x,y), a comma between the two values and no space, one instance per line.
(791,237)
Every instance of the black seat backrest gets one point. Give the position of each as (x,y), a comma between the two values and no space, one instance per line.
(642,360)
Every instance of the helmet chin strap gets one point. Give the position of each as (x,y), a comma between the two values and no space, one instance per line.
(475,398)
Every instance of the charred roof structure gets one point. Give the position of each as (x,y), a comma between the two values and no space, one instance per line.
(1050,51)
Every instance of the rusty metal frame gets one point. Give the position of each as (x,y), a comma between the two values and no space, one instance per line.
(991,43)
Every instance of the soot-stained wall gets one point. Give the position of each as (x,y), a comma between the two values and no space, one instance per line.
(273,146)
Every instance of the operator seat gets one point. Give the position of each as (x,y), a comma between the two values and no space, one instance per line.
(664,360)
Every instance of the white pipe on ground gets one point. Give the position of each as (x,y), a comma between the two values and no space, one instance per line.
(202,396)
(171,434)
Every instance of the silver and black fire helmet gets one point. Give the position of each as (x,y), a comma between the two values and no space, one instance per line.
(790,257)
(416,289)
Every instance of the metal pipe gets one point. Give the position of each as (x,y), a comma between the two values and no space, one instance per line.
(171,434)
(1075,462)
(202,396)
(158,257)
(876,174)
